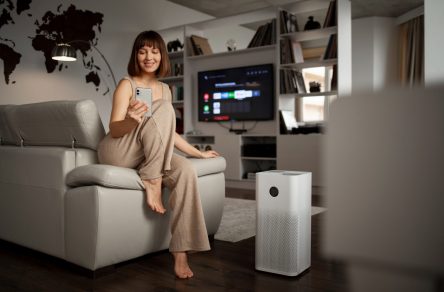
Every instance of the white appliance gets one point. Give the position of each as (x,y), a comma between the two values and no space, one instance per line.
(283,225)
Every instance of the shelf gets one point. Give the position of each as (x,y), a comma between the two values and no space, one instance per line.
(172,79)
(175,55)
(310,35)
(325,93)
(236,52)
(310,64)
(299,95)
(258,158)
(177,102)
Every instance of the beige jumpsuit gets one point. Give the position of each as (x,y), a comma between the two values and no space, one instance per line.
(149,149)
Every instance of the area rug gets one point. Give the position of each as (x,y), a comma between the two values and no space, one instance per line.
(239,219)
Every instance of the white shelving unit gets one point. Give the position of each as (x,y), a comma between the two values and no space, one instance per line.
(292,152)
(292,97)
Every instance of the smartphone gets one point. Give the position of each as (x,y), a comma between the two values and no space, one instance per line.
(144,94)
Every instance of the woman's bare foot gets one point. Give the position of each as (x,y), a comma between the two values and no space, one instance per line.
(153,189)
(181,267)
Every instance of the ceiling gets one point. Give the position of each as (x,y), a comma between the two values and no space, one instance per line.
(360,8)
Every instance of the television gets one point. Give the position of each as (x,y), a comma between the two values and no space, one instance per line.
(236,94)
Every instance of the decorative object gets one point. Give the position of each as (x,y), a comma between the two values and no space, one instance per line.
(65,52)
(312,24)
(315,86)
(231,45)
(173,46)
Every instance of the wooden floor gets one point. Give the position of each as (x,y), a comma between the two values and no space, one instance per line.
(227,267)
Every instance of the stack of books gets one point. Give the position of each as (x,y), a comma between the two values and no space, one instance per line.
(265,35)
(289,22)
(292,81)
(331,18)
(291,51)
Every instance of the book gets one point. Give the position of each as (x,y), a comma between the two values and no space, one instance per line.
(292,81)
(265,35)
(296,49)
(283,21)
(334,78)
(331,18)
(201,45)
(300,84)
(253,41)
(331,51)
(288,121)
(190,47)
(283,52)
(273,31)
(293,22)
(195,49)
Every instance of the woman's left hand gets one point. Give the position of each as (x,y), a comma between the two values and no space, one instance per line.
(209,154)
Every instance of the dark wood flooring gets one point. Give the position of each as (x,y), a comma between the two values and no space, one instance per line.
(227,267)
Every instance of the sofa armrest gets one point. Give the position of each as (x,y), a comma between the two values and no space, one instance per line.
(105,175)
(209,165)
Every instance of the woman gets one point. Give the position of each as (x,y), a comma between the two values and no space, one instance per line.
(146,144)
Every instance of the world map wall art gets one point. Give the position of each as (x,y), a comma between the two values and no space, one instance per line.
(54,27)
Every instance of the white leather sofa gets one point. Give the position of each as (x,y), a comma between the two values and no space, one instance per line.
(56,199)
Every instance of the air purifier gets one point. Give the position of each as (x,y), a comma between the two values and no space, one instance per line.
(283,225)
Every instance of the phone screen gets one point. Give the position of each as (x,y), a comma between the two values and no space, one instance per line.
(144,94)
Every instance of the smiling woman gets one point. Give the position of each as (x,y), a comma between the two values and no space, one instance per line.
(146,143)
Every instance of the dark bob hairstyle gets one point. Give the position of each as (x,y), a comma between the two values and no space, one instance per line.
(151,39)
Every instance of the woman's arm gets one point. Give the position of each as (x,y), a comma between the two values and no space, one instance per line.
(181,144)
(125,115)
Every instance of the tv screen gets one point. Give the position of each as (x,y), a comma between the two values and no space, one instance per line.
(236,94)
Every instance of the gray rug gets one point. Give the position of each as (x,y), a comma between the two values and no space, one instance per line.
(239,219)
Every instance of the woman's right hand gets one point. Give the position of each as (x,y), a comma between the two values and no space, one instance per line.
(136,110)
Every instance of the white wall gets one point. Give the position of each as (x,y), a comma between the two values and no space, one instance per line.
(375,58)
(385,54)
(433,41)
(122,21)
(362,56)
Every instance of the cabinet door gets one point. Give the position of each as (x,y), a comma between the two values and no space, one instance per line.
(229,147)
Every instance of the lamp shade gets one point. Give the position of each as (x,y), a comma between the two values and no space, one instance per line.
(63,52)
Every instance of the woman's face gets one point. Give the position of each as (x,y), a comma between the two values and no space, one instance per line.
(148,59)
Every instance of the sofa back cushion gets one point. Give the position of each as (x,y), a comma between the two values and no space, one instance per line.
(53,123)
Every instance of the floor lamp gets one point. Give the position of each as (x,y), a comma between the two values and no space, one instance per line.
(65,52)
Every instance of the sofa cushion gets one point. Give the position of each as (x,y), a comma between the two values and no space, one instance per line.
(105,175)
(55,123)
(127,178)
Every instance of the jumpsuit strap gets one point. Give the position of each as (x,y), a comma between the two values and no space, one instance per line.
(133,85)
